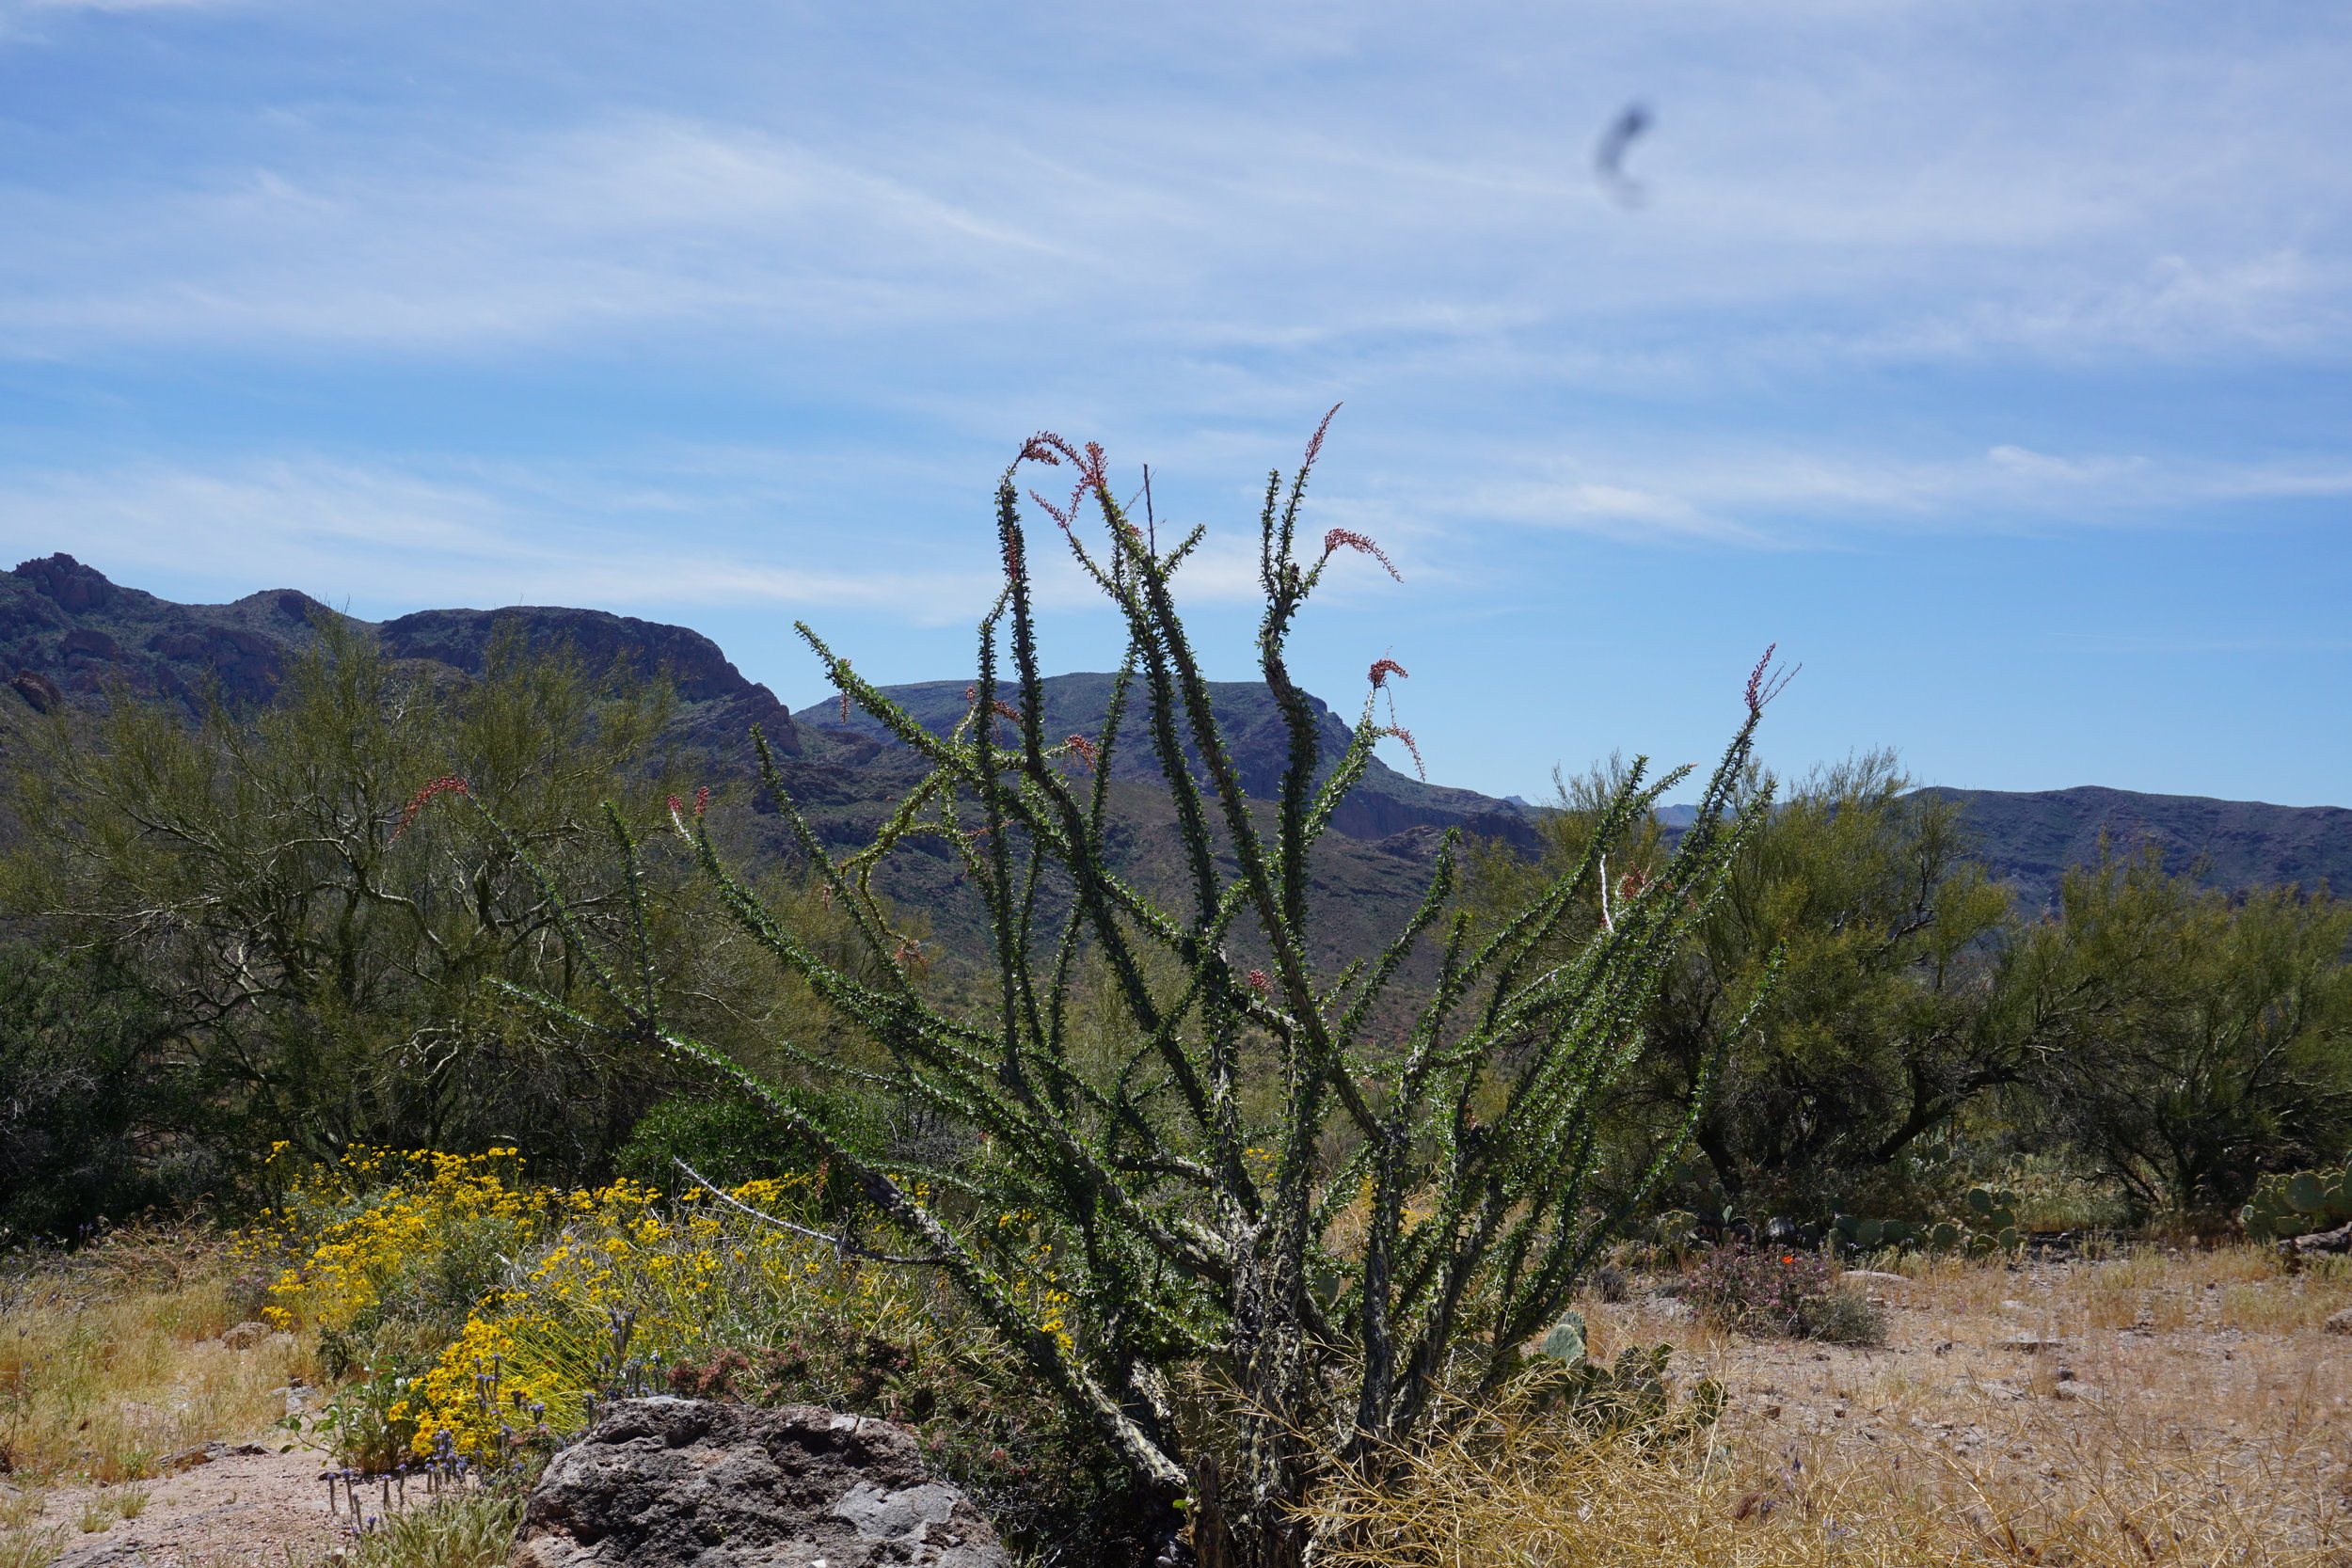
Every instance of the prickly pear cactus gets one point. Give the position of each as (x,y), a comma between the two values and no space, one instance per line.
(1631,1397)
(2289,1206)
(1988,1225)
(1674,1229)
(1871,1235)
(1992,1222)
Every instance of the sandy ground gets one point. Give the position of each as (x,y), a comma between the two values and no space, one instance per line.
(250,1504)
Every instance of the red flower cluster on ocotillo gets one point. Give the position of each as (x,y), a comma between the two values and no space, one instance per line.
(1259,982)
(1763,688)
(1407,736)
(1356,540)
(1082,749)
(1314,442)
(449,785)
(1383,669)
(1094,473)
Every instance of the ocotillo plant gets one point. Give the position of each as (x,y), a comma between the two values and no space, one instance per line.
(1268,1180)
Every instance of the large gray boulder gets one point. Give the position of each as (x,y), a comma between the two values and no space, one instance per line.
(665,1483)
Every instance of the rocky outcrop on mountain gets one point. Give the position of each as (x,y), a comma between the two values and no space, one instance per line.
(67,632)
(719,705)
(671,1483)
(2031,838)
(1385,804)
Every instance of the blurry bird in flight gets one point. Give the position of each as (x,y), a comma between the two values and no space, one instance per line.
(1608,156)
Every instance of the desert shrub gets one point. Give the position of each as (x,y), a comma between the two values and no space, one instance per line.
(1780,1291)
(2206,1039)
(393,1242)
(1882,1025)
(730,1139)
(383,1256)
(622,1289)
(474,1313)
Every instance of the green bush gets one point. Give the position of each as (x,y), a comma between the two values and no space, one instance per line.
(323,938)
(2204,1038)
(732,1138)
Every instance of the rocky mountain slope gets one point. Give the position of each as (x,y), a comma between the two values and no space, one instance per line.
(68,633)
(1385,804)
(2032,837)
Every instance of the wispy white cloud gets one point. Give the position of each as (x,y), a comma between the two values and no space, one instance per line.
(391,541)
(1851,193)
(641,221)
(1782,497)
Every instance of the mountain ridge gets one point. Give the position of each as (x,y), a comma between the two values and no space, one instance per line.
(68,633)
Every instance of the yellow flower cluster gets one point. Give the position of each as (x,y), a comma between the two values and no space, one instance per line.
(685,1278)
(612,1286)
(376,1210)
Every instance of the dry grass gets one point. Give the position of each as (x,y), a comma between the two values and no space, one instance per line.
(111,1363)
(2191,1411)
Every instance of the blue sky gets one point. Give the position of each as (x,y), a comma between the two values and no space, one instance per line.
(1990,357)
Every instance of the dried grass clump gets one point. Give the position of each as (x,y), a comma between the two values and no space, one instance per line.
(2222,1436)
(1551,1502)
(111,1360)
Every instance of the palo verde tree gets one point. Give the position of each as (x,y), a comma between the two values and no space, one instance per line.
(320,947)
(2199,1039)
(1890,1017)
(1332,1198)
